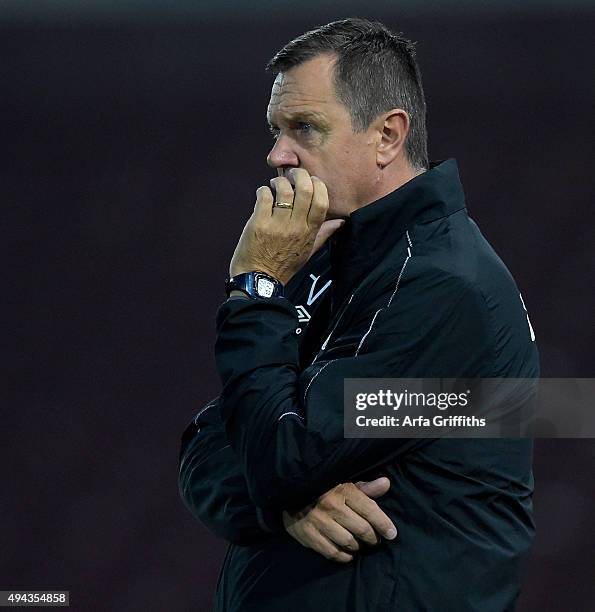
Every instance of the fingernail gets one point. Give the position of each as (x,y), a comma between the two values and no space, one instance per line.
(391,534)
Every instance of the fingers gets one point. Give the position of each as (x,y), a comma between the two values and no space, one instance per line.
(310,528)
(369,510)
(304,190)
(310,197)
(321,544)
(283,193)
(264,204)
(360,528)
(334,505)
(341,519)
(336,533)
(319,205)
(374,488)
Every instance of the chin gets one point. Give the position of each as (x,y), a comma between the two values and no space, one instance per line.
(335,214)
(338,207)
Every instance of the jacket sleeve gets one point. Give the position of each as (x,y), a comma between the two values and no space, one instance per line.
(213,486)
(286,425)
(211,480)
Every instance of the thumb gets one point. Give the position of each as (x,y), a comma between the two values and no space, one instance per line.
(327,229)
(374,488)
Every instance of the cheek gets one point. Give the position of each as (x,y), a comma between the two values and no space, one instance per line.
(347,170)
(343,170)
(340,170)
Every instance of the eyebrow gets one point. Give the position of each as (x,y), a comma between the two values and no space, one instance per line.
(303,116)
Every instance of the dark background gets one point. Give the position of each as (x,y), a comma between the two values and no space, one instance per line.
(132,147)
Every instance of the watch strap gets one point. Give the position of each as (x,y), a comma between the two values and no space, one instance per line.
(255,284)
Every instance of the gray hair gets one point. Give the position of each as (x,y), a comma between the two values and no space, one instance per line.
(375,71)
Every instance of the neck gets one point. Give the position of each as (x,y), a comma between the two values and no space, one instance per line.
(389,179)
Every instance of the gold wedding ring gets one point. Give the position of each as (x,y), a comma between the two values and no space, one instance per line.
(283,204)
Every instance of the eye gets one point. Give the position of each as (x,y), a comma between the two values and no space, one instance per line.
(274,131)
(305,128)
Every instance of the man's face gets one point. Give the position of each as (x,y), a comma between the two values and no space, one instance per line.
(313,131)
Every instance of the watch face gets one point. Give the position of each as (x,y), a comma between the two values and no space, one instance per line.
(264,287)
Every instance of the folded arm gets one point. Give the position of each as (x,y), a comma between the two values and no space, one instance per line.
(286,425)
(215,491)
(213,486)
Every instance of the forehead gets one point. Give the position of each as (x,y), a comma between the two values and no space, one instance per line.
(304,89)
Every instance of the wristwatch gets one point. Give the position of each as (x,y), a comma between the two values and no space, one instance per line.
(255,284)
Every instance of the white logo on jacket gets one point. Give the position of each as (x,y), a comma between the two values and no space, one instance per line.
(303,315)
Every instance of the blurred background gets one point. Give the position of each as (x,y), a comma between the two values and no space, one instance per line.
(134,137)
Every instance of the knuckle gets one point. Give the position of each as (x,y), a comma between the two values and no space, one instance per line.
(260,232)
(315,519)
(327,503)
(364,533)
(305,186)
(320,186)
(286,194)
(305,526)
(313,514)
(300,175)
(352,544)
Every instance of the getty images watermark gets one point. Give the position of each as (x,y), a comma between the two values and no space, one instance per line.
(469,408)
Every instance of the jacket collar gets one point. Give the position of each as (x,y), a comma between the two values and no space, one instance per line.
(373,230)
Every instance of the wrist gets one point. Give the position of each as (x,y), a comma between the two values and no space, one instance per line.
(254,284)
(237,270)
(270,520)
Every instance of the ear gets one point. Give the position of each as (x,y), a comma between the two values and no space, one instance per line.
(393,127)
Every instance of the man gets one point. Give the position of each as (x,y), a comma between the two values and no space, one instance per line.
(415,292)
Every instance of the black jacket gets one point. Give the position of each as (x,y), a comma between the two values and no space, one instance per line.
(417,292)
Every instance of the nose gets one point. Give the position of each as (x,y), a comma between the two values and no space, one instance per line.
(282,154)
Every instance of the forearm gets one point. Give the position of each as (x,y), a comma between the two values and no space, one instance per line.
(286,426)
(213,486)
